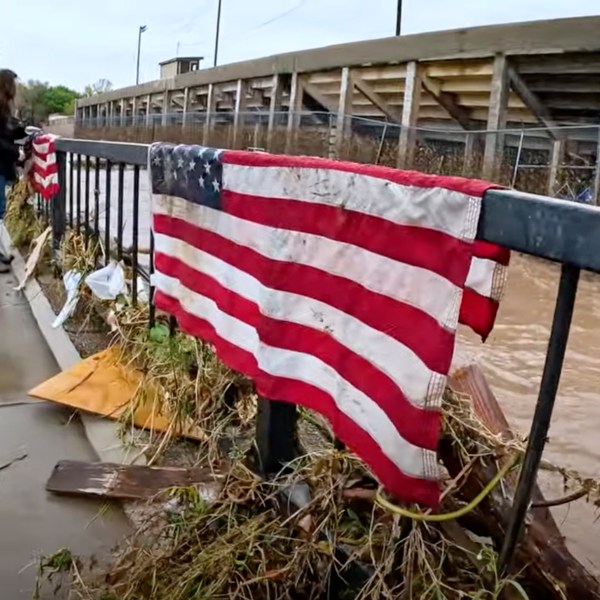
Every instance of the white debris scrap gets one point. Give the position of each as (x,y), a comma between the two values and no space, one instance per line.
(107,283)
(71,280)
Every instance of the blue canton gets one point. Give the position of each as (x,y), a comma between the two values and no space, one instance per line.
(194,173)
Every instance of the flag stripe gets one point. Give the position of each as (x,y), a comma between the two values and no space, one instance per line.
(397,361)
(406,324)
(410,459)
(409,245)
(44,170)
(416,425)
(332,285)
(276,386)
(340,181)
(412,285)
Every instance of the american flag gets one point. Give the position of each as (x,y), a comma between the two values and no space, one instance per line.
(43,171)
(333,285)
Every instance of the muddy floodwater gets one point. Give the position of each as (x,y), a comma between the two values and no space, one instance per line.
(512,360)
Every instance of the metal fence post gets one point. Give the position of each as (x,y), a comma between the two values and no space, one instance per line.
(557,345)
(59,204)
(276,435)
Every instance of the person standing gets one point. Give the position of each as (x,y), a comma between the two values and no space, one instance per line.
(10,131)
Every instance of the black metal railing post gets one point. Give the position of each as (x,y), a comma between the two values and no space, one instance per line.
(276,435)
(557,345)
(59,203)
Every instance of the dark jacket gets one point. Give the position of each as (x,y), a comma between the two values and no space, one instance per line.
(10,130)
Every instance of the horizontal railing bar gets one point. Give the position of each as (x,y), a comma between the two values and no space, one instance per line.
(550,228)
(116,152)
(558,230)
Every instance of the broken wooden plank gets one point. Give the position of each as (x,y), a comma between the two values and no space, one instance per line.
(126,482)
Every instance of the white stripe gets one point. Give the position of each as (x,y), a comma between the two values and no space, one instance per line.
(435,208)
(410,459)
(42,148)
(481,276)
(412,285)
(45,181)
(394,359)
(44,164)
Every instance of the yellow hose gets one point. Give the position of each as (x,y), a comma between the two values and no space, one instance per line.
(461,512)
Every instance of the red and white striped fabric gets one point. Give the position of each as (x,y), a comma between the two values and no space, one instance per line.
(44,171)
(332,285)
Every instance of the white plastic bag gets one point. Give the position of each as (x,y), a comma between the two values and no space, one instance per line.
(107,283)
(71,280)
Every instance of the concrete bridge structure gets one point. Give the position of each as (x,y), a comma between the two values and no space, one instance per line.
(533,84)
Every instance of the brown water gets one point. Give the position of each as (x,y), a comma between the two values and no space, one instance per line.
(513,359)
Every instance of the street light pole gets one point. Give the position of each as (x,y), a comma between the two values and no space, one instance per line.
(137,71)
(398,17)
(217,34)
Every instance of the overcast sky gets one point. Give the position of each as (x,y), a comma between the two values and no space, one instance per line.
(78,42)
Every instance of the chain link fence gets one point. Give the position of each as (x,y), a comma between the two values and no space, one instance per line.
(524,158)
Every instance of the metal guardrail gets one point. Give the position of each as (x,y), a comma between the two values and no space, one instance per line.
(556,230)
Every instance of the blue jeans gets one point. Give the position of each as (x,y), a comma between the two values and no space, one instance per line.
(3,184)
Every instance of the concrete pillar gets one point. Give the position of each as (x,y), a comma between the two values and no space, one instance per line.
(148,110)
(186,100)
(410,116)
(238,115)
(556,154)
(134,111)
(274,109)
(494,141)
(294,114)
(166,108)
(122,110)
(343,126)
(211,104)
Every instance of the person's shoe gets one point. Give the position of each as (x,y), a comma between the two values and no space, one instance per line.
(6,259)
(4,268)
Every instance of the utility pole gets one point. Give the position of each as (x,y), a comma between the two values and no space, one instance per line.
(217,34)
(399,17)
(137,71)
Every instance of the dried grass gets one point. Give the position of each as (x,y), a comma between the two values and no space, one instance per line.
(20,218)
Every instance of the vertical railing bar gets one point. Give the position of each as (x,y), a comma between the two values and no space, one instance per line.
(120,211)
(172,326)
(78,202)
(152,310)
(59,202)
(557,345)
(107,213)
(87,199)
(97,198)
(71,169)
(135,232)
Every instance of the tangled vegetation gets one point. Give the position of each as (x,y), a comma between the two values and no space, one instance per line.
(20,219)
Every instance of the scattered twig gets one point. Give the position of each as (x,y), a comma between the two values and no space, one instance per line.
(13,461)
(564,500)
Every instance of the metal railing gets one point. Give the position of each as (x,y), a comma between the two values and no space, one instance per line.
(556,230)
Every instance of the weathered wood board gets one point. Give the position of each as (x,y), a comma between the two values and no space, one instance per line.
(125,482)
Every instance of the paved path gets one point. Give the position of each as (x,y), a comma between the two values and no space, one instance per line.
(33,522)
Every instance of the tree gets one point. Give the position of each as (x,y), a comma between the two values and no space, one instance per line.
(37,100)
(101,86)
(59,100)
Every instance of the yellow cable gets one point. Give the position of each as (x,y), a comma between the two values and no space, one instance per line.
(418,516)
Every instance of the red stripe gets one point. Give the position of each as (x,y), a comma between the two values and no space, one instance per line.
(470,187)
(418,426)
(44,172)
(408,325)
(418,246)
(478,312)
(297,392)
(490,251)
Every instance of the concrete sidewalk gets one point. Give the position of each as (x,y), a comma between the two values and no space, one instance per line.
(33,522)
